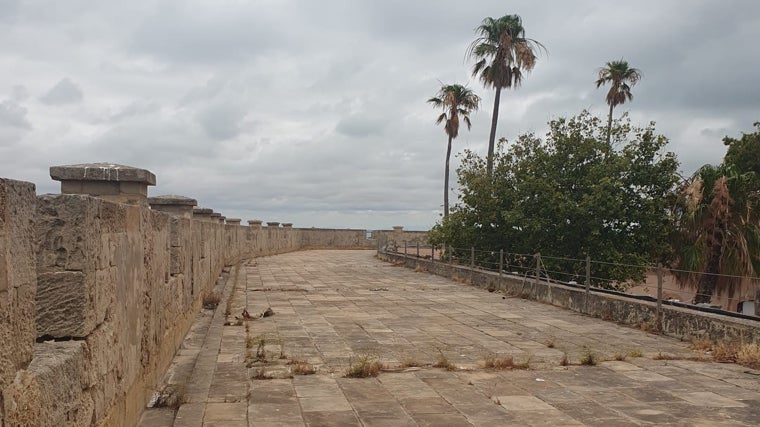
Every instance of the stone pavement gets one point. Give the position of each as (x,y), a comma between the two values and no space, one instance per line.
(336,309)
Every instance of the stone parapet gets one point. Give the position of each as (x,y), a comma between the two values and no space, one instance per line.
(233,221)
(173,205)
(203,214)
(18,284)
(273,224)
(254,223)
(117,183)
(287,225)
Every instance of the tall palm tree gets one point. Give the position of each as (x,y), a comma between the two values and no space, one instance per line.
(502,53)
(456,101)
(718,219)
(622,79)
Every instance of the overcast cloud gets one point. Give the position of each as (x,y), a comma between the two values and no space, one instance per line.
(313,112)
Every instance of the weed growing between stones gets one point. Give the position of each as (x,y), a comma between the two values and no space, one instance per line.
(550,342)
(211,300)
(564,361)
(502,363)
(301,367)
(620,357)
(171,396)
(410,362)
(635,352)
(261,374)
(443,362)
(364,366)
(589,358)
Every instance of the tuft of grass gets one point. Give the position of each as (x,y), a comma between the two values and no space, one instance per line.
(564,361)
(589,358)
(261,374)
(364,366)
(635,352)
(665,356)
(211,300)
(301,367)
(443,362)
(749,355)
(725,352)
(701,344)
(172,396)
(619,357)
(550,342)
(503,363)
(410,362)
(650,327)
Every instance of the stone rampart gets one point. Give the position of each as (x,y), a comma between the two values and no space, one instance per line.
(674,321)
(97,293)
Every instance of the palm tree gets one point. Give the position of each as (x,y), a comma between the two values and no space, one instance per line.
(456,100)
(619,74)
(718,220)
(502,54)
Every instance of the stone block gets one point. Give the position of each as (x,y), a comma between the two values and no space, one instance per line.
(51,391)
(63,298)
(18,278)
(174,205)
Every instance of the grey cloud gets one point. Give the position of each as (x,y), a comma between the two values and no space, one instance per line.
(360,126)
(64,92)
(222,120)
(19,93)
(13,115)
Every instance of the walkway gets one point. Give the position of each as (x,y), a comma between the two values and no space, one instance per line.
(335,309)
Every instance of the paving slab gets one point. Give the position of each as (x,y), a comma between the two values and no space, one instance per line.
(336,309)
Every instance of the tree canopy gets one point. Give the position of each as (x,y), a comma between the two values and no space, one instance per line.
(570,195)
(456,101)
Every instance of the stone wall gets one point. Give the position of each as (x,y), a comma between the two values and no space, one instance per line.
(17,282)
(97,295)
(674,321)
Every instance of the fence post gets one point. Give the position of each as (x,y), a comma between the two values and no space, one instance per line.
(404,249)
(418,248)
(501,265)
(538,271)
(588,282)
(378,244)
(659,296)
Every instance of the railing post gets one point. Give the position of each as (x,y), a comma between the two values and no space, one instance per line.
(501,264)
(659,296)
(404,249)
(472,263)
(418,248)
(588,282)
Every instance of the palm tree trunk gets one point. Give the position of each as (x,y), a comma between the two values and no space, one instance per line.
(609,124)
(446,182)
(492,137)
(709,280)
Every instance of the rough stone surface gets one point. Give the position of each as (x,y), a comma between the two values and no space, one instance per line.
(102,172)
(17,282)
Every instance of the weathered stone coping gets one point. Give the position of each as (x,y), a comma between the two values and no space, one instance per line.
(173,205)
(114,182)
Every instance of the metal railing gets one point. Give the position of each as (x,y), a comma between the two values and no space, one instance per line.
(581,274)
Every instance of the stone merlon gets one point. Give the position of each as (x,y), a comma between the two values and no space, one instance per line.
(117,183)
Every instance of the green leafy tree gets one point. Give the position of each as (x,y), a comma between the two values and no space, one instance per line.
(718,239)
(502,54)
(457,102)
(570,195)
(621,78)
(744,152)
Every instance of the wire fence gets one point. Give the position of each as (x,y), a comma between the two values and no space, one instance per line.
(651,281)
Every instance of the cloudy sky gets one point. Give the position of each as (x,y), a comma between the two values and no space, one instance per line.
(313,112)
